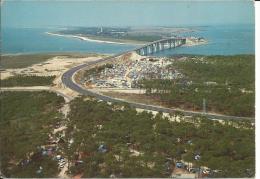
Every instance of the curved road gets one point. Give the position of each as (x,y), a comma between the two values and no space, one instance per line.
(67,79)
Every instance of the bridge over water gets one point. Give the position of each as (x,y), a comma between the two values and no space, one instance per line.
(160,45)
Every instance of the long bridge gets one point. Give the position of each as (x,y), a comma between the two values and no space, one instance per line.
(156,46)
(161,45)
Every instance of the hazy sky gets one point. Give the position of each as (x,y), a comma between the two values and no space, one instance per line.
(17,13)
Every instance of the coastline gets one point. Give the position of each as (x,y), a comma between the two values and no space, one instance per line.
(56,53)
(91,40)
(192,41)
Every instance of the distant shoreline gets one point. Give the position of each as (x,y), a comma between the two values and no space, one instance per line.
(54,53)
(90,40)
(85,38)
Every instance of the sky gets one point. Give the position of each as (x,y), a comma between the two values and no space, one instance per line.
(44,13)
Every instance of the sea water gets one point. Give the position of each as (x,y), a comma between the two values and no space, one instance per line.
(222,40)
(35,40)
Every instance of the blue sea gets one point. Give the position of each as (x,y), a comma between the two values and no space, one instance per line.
(222,40)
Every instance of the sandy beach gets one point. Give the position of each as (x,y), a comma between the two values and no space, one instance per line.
(89,39)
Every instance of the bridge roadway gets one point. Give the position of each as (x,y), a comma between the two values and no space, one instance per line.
(160,45)
(67,79)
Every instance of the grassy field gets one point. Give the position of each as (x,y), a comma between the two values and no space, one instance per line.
(22,61)
(134,39)
(26,120)
(30,80)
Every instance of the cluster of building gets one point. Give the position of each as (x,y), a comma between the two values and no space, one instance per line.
(127,74)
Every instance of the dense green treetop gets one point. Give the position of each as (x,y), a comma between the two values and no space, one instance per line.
(26,120)
(140,144)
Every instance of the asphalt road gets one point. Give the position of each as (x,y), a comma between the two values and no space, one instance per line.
(67,80)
